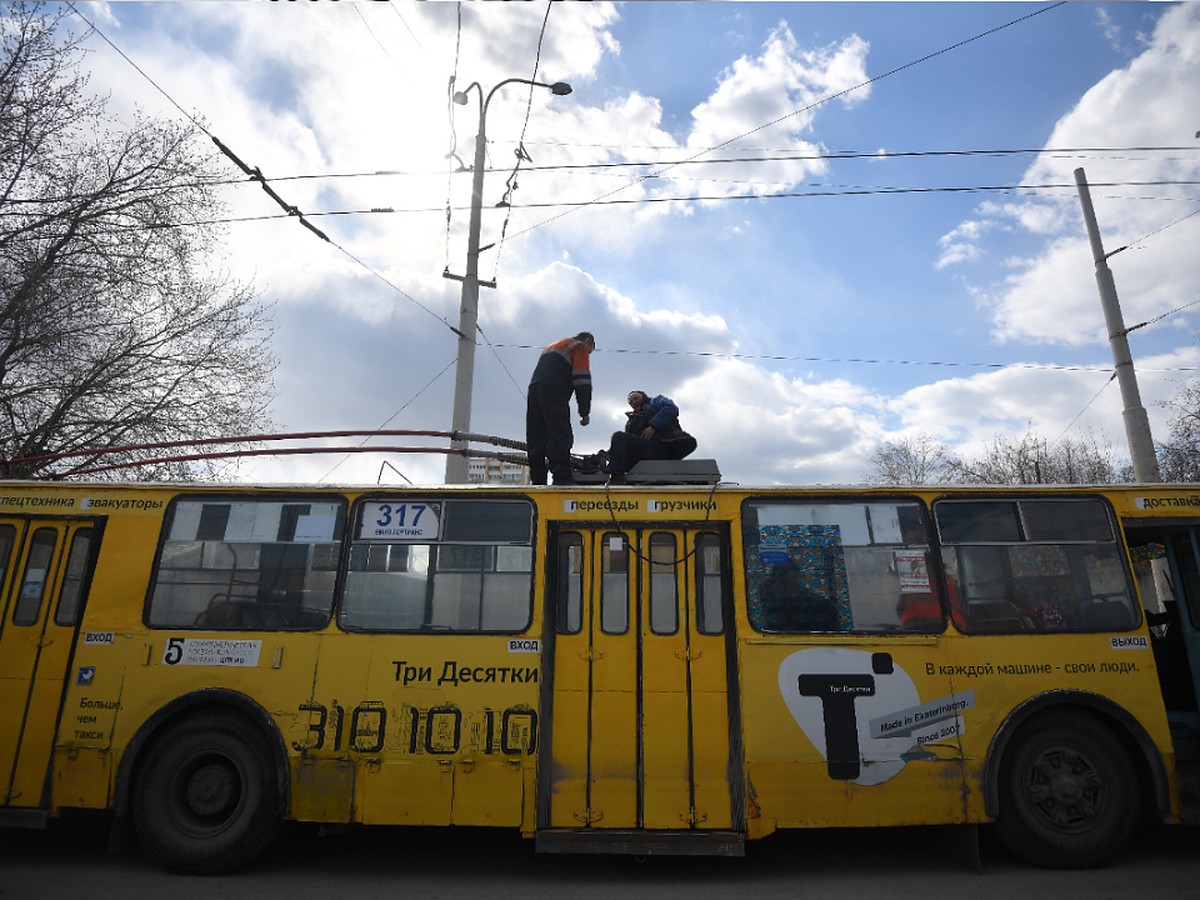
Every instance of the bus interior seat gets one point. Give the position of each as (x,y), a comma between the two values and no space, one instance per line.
(1106,614)
(227,612)
(995,615)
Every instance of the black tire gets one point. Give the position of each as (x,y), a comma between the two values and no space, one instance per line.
(1069,793)
(206,798)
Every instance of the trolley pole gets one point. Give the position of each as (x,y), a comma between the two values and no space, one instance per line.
(1137,423)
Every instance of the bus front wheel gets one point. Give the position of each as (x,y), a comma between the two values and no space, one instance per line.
(206,799)
(1069,793)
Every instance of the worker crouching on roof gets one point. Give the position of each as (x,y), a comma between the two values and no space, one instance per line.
(652,431)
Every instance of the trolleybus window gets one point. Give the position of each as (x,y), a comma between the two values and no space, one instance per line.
(839,566)
(248,563)
(664,595)
(75,581)
(440,565)
(37,576)
(1035,565)
(614,591)
(710,588)
(570,584)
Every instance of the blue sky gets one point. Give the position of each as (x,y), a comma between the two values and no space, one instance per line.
(795,332)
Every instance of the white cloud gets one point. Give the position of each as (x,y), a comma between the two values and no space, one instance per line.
(1052,297)
(763,427)
(962,243)
(1112,32)
(777,86)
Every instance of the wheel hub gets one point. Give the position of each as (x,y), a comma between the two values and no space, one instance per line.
(1066,788)
(211,789)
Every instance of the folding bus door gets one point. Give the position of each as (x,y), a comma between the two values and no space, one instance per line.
(640,729)
(46,570)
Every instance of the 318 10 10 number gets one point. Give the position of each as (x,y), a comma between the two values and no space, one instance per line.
(437,731)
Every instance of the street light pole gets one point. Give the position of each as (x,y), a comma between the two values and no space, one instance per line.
(468,310)
(1137,423)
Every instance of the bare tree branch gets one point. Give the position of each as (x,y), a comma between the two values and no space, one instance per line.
(114,329)
(1179,454)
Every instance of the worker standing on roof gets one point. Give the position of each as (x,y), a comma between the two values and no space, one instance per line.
(562,370)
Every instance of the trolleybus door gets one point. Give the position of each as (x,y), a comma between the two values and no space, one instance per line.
(1184,549)
(46,568)
(640,733)
(1172,596)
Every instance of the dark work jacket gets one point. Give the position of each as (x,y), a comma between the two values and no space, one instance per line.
(661,414)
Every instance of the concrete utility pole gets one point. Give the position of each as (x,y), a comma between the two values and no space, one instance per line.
(1137,423)
(468,311)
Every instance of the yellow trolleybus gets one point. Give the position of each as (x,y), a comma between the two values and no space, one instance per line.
(644,669)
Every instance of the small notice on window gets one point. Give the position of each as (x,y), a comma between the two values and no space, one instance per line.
(772,554)
(912,571)
(315,529)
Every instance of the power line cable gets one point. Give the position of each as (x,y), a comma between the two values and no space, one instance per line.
(1111,378)
(1159,318)
(856,154)
(714,354)
(1152,233)
(500,360)
(520,153)
(452,154)
(395,7)
(827,191)
(785,156)
(810,106)
(255,174)
(395,287)
(388,420)
(370,30)
(187,115)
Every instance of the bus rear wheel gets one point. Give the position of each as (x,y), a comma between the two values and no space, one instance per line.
(206,798)
(1069,793)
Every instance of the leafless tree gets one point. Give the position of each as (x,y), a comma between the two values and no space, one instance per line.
(1031,459)
(117,326)
(1179,455)
(919,459)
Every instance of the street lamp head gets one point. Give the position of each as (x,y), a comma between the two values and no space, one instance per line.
(560,89)
(460,97)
